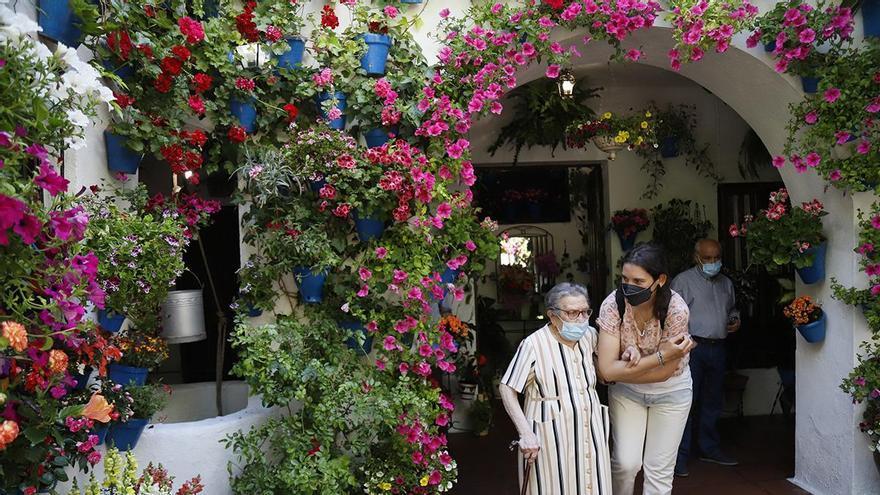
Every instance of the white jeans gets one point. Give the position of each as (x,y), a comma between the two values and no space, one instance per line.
(646,430)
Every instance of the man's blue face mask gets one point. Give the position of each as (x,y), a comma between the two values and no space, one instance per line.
(712,269)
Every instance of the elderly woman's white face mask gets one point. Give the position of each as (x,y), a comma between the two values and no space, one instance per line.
(573,314)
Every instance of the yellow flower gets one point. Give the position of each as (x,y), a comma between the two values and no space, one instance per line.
(644,125)
(385,485)
(618,139)
(647,114)
(424,480)
(606,115)
(639,140)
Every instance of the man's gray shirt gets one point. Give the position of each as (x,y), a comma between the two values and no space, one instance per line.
(710,301)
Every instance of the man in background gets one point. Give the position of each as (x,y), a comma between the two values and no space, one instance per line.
(710,297)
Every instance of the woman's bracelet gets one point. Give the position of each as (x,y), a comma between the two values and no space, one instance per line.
(660,358)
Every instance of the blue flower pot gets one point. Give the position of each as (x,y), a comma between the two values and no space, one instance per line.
(125,436)
(292,58)
(254,312)
(810,84)
(120,158)
(110,322)
(356,328)
(59,22)
(122,70)
(245,112)
(627,243)
(316,185)
(377,53)
(311,285)
(376,137)
(871,17)
(769,47)
(816,272)
(127,375)
(82,379)
(814,332)
(449,276)
(101,430)
(368,227)
(341,104)
(411,2)
(669,147)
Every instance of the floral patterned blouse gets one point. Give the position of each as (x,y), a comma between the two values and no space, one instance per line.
(649,342)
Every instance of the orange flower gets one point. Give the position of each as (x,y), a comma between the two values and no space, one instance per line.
(57,361)
(15,333)
(8,433)
(98,409)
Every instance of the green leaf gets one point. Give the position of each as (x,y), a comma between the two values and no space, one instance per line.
(35,435)
(47,344)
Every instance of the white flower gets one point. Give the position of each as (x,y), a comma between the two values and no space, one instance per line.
(77,118)
(75,142)
(15,24)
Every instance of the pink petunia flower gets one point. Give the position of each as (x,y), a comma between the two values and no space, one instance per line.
(831,95)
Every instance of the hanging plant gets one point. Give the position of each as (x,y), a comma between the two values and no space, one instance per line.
(701,26)
(835,132)
(541,116)
(612,133)
(678,225)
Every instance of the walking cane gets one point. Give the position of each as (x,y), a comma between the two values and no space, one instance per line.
(526,472)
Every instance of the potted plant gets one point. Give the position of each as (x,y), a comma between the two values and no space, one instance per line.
(678,225)
(835,132)
(807,317)
(627,224)
(338,59)
(795,30)
(147,400)
(781,235)
(374,32)
(283,23)
(480,414)
(611,133)
(701,25)
(121,476)
(675,129)
(541,116)
(141,352)
(863,384)
(142,253)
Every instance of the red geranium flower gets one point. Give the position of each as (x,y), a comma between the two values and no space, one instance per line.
(146,49)
(171,65)
(181,52)
(120,43)
(149,10)
(163,83)
(292,111)
(192,29)
(123,100)
(245,24)
(237,134)
(554,4)
(197,104)
(245,84)
(196,138)
(202,82)
(328,18)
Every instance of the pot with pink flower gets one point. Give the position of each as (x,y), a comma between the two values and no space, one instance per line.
(702,25)
(627,224)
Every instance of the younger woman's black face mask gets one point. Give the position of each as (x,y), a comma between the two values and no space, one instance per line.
(636,295)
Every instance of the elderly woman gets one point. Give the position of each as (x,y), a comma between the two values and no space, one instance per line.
(564,429)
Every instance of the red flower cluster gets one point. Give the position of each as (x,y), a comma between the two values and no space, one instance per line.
(245,84)
(245,24)
(292,111)
(192,29)
(554,4)
(201,82)
(237,134)
(119,43)
(328,18)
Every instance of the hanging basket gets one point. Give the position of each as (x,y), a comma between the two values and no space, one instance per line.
(183,315)
(607,145)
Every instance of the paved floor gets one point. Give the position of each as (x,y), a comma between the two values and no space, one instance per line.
(764,445)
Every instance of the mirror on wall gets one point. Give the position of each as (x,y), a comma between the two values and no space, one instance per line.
(519,280)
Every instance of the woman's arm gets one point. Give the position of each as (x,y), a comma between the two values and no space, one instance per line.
(656,375)
(528,441)
(612,369)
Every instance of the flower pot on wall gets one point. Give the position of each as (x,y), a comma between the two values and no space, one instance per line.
(814,332)
(110,322)
(669,147)
(815,272)
(125,436)
(120,158)
(357,331)
(377,137)
(126,375)
(871,18)
(245,111)
(368,227)
(292,58)
(377,53)
(341,104)
(810,84)
(607,145)
(101,430)
(769,47)
(448,276)
(59,22)
(82,379)
(627,243)
(311,285)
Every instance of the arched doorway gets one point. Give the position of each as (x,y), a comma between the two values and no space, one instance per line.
(745,81)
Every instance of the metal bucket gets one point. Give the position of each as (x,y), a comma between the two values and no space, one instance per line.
(183,316)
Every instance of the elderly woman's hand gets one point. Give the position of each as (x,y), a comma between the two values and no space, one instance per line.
(529,445)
